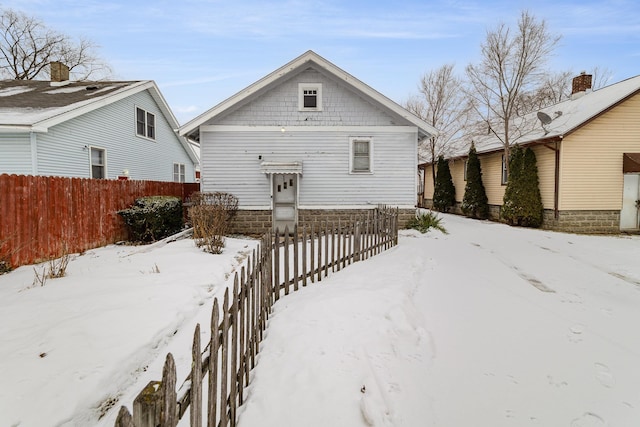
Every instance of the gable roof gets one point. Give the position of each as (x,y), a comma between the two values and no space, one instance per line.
(35,106)
(566,116)
(299,64)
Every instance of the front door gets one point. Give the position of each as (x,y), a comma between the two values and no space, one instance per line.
(630,197)
(285,201)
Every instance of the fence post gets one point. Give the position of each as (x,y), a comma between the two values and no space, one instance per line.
(295,257)
(213,367)
(195,410)
(286,261)
(169,416)
(147,406)
(124,418)
(275,290)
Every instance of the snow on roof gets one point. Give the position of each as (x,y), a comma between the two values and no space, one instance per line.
(566,116)
(26,103)
(10,91)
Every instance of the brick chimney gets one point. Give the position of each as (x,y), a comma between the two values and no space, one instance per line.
(59,72)
(581,83)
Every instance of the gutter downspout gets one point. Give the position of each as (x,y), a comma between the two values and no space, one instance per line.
(556,178)
(33,136)
(556,184)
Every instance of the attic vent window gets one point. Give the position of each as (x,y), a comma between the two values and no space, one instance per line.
(310,97)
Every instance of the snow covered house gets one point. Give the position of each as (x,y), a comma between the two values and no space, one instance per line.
(105,129)
(588,157)
(307,142)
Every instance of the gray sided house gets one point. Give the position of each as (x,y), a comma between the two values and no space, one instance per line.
(103,129)
(309,142)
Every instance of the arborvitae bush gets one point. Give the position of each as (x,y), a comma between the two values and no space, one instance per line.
(153,218)
(532,209)
(522,203)
(444,192)
(511,204)
(474,202)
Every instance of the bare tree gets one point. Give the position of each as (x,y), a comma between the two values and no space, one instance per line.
(443,105)
(512,64)
(27,47)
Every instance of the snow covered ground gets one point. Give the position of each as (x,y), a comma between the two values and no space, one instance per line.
(487,325)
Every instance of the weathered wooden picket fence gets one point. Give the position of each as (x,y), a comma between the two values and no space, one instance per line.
(280,264)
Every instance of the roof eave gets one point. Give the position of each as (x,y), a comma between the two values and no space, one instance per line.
(192,126)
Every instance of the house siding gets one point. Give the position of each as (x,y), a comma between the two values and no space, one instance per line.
(591,175)
(279,107)
(545,160)
(491,165)
(15,153)
(325,179)
(62,150)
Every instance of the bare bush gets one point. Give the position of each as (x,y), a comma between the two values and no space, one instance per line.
(55,268)
(211,216)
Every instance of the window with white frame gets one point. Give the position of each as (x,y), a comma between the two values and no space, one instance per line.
(145,123)
(505,176)
(98,163)
(466,165)
(361,155)
(310,96)
(178,172)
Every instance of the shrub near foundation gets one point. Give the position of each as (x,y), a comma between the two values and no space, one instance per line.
(211,215)
(153,218)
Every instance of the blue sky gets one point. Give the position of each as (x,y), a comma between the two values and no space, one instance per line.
(200,52)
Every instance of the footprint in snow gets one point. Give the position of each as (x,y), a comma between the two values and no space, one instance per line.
(604,375)
(589,419)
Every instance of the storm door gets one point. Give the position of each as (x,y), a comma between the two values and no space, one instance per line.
(630,202)
(285,208)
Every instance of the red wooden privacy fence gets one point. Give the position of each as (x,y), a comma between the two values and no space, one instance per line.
(214,389)
(42,216)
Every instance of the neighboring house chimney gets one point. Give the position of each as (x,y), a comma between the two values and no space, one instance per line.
(581,83)
(59,72)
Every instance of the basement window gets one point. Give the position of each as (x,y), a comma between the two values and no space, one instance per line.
(310,97)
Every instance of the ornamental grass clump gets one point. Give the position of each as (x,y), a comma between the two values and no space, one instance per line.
(426,221)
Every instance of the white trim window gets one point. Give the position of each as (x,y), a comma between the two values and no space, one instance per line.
(361,155)
(310,96)
(98,161)
(178,172)
(505,177)
(145,124)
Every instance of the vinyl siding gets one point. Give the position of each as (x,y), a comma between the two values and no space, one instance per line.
(456,167)
(61,151)
(545,160)
(591,175)
(491,165)
(279,107)
(15,154)
(231,162)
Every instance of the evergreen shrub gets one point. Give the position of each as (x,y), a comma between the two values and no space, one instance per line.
(474,203)
(153,218)
(444,193)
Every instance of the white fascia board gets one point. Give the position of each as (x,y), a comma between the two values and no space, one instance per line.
(16,129)
(349,129)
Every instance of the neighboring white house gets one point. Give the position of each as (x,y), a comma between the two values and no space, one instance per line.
(309,141)
(103,129)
